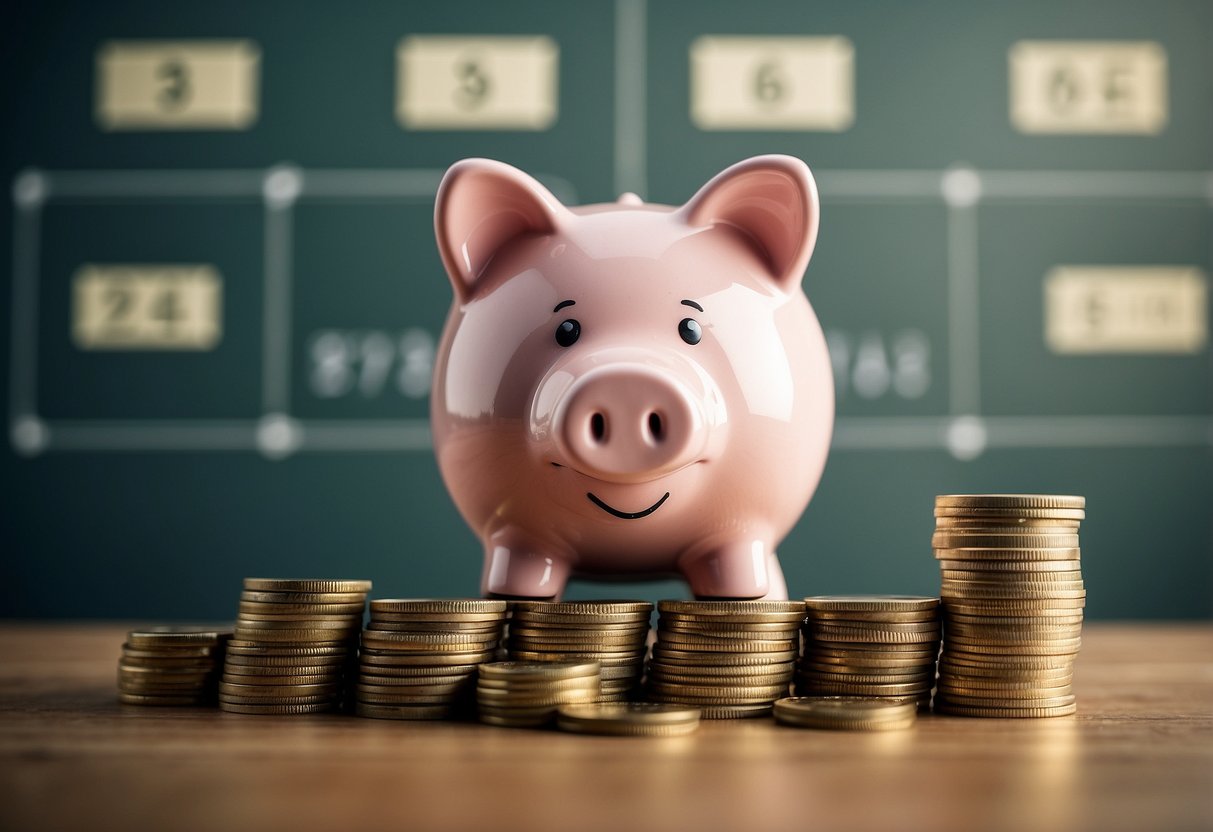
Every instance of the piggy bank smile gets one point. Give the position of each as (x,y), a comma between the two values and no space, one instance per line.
(627,515)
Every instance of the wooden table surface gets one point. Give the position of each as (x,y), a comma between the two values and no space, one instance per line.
(1138,756)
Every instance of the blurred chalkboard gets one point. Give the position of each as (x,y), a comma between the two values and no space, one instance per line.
(224,293)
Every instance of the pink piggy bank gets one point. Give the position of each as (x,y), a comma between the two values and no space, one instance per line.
(625,388)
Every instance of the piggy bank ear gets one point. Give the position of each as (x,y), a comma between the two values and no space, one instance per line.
(770,200)
(482,205)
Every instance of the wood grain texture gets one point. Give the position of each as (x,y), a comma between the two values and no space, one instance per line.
(1138,756)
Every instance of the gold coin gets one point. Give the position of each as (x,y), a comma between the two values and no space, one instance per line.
(164,637)
(949,540)
(997,566)
(315,699)
(240,647)
(1010,501)
(249,664)
(1031,555)
(705,702)
(618,718)
(765,680)
(499,721)
(408,606)
(536,700)
(494,627)
(816,604)
(1014,514)
(784,619)
(584,619)
(275,709)
(390,659)
(327,680)
(1004,712)
(843,711)
(663,687)
(730,608)
(1009,695)
(977,521)
(304,598)
(451,618)
(538,670)
(556,637)
(885,689)
(695,658)
(690,643)
(342,623)
(301,637)
(404,641)
(410,712)
(260,690)
(734,711)
(610,606)
(262,671)
(253,609)
(1058,701)
(305,585)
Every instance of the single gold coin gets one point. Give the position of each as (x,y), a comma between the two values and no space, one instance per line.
(485,627)
(584,620)
(732,607)
(694,658)
(855,713)
(407,606)
(538,670)
(1010,501)
(870,604)
(948,709)
(305,585)
(390,659)
(304,598)
(781,619)
(1013,514)
(610,606)
(628,719)
(734,711)
(162,637)
(252,609)
(276,709)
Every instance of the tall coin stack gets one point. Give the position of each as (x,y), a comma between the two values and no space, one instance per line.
(171,666)
(419,656)
(730,659)
(881,646)
(294,641)
(1013,598)
(612,633)
(528,694)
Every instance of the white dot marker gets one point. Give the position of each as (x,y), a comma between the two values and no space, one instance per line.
(29,189)
(29,435)
(282,186)
(278,436)
(967,437)
(961,187)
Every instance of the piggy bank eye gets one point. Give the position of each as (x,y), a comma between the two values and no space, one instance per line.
(690,331)
(568,332)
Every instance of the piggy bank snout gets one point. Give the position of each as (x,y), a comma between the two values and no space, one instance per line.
(629,424)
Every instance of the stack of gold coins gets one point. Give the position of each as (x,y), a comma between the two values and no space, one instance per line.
(528,694)
(730,659)
(628,719)
(294,641)
(171,666)
(881,646)
(612,633)
(419,656)
(846,713)
(1013,600)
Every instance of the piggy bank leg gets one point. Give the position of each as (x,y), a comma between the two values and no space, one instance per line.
(740,569)
(515,568)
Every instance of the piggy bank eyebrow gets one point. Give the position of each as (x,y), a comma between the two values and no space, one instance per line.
(563,304)
(693,304)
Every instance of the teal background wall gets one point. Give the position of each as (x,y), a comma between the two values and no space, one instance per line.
(146,484)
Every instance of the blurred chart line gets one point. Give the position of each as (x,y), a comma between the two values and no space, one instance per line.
(631,174)
(965,433)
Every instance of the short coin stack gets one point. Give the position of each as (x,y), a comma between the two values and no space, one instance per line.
(171,666)
(1013,598)
(419,656)
(628,719)
(528,694)
(880,646)
(612,633)
(730,659)
(294,641)
(846,713)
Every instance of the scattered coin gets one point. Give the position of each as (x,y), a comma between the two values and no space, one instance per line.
(628,719)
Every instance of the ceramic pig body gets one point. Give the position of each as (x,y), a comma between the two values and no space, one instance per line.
(630,389)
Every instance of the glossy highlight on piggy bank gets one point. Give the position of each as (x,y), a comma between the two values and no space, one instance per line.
(628,389)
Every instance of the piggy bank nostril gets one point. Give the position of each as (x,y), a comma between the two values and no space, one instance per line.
(656,429)
(598,427)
